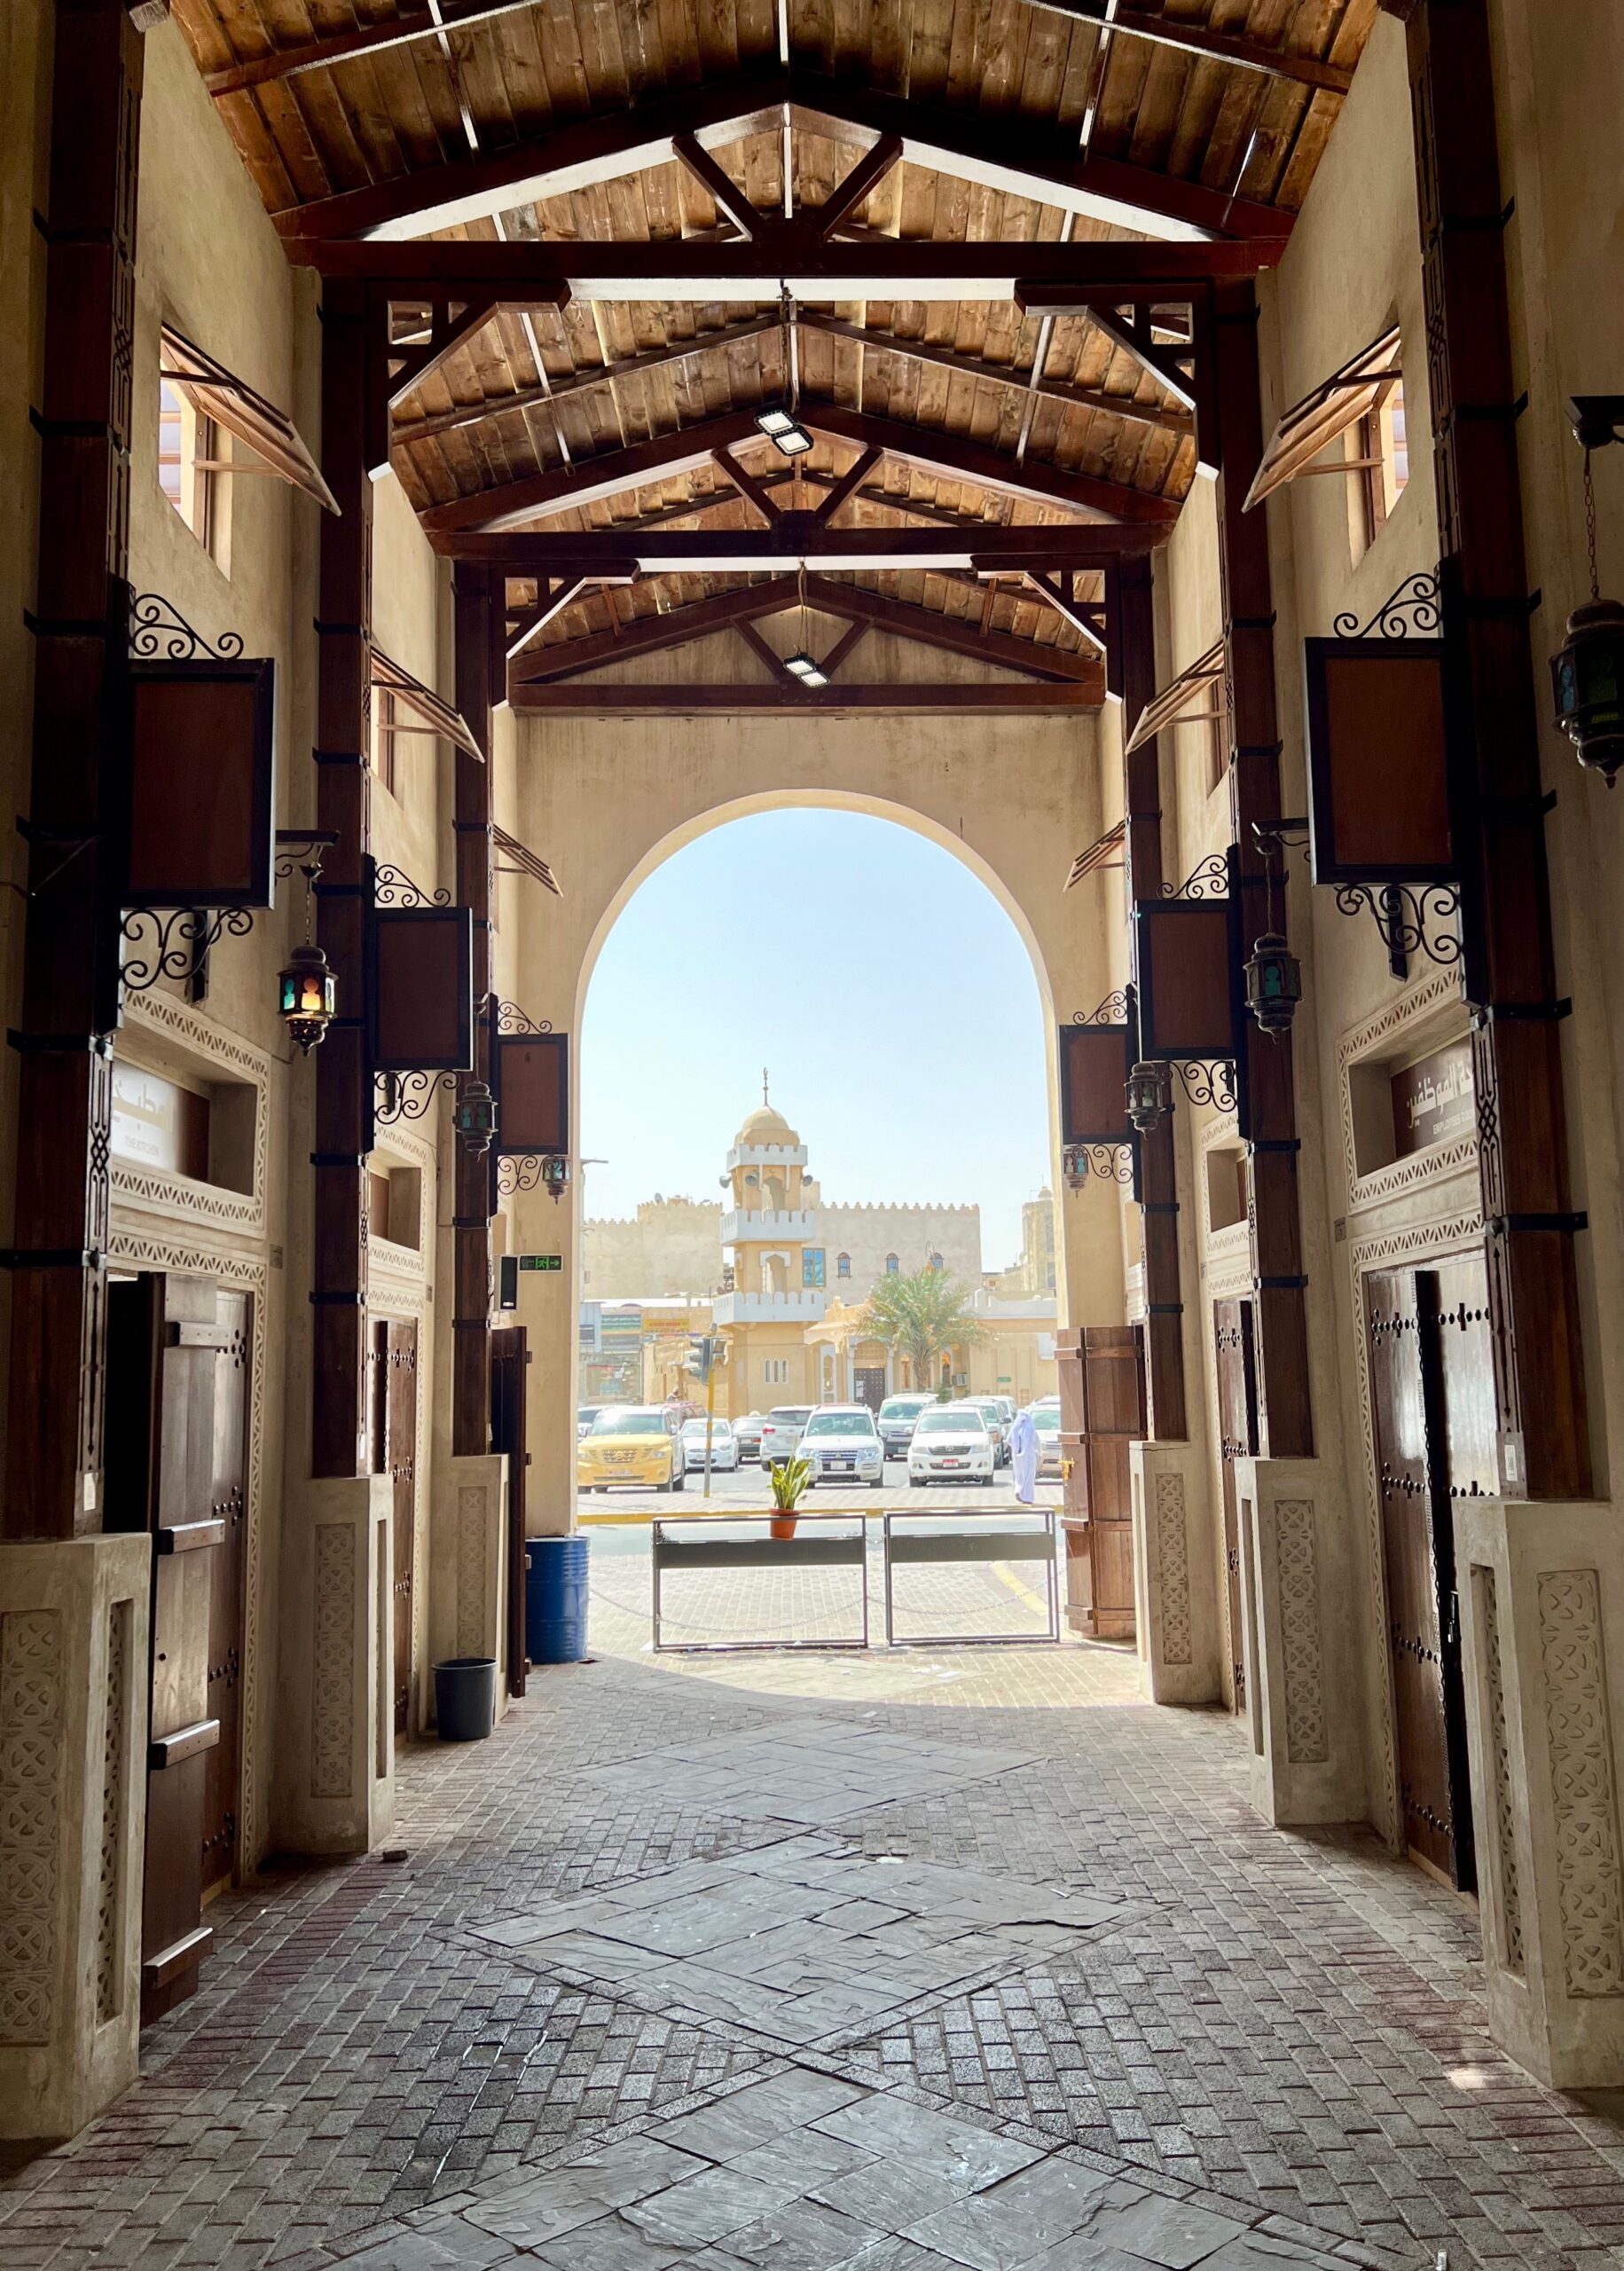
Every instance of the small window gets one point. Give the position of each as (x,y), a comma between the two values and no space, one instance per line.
(1379,447)
(383,738)
(842,1265)
(811,1265)
(187,462)
(1218,727)
(892,1266)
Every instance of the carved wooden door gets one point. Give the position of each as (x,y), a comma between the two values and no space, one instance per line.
(1410,1430)
(1237,1438)
(394,1454)
(228,1565)
(166,1340)
(509,1357)
(869,1382)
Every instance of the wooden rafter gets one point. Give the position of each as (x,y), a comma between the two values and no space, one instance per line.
(1024,161)
(927,628)
(962,698)
(1039,274)
(607,554)
(559,488)
(650,635)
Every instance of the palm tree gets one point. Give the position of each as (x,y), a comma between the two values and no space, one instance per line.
(921,1317)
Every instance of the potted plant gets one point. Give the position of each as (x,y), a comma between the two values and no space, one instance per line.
(788,1481)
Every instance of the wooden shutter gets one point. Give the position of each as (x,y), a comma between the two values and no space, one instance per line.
(244,413)
(435,715)
(421,985)
(1323,416)
(201,742)
(1378,768)
(1200,678)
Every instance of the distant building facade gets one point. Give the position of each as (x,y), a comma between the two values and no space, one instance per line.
(672,1246)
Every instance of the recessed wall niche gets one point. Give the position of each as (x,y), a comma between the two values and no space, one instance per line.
(1411,1102)
(181,1121)
(1225,1165)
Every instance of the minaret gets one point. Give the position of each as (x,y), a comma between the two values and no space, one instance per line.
(778,1258)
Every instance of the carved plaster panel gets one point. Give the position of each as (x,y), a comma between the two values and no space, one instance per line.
(1301,1647)
(333,1684)
(1590,1892)
(1173,1565)
(473,1550)
(114,1772)
(1419,1004)
(155,1191)
(1486,1585)
(33,1733)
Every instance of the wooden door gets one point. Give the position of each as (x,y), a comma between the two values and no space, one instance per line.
(1409,1424)
(509,1357)
(1101,1374)
(1235,1358)
(869,1381)
(166,1341)
(228,1564)
(394,1454)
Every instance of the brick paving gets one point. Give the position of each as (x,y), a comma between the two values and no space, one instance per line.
(1283,2032)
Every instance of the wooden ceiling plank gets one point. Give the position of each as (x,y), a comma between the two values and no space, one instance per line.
(1138,22)
(1018,155)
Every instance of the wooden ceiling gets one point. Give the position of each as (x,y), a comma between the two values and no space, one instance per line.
(593,122)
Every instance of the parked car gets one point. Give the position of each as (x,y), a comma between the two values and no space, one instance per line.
(898,1416)
(637,1446)
(724,1445)
(1046,1419)
(952,1443)
(841,1444)
(781,1431)
(998,1426)
(746,1435)
(584,1417)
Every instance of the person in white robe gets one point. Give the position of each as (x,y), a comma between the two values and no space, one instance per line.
(1024,1457)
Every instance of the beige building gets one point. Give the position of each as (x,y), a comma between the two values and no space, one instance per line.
(1035,1271)
(670,1247)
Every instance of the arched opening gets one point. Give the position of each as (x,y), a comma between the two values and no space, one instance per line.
(886,980)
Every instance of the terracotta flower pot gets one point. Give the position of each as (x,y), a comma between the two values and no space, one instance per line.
(781,1526)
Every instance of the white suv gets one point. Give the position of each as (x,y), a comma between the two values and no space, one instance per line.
(951,1444)
(781,1431)
(841,1444)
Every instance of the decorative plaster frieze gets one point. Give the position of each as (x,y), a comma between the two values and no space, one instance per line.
(33,1733)
(155,1191)
(1301,1647)
(1418,1004)
(1579,1729)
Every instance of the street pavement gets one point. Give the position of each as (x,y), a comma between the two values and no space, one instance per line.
(748,1489)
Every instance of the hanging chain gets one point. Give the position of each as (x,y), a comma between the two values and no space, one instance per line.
(1590,526)
(786,317)
(800,585)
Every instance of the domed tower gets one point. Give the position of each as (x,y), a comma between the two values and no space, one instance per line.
(778,1263)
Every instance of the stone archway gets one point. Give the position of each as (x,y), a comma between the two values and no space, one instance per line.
(608,802)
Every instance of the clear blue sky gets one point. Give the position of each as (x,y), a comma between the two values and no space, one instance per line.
(883,986)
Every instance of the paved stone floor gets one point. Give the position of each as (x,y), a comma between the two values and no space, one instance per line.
(1177,2039)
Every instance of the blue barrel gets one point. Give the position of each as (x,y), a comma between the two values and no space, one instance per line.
(555,1600)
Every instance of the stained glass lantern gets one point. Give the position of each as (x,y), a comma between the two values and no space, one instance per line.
(1274,983)
(1588,674)
(307,991)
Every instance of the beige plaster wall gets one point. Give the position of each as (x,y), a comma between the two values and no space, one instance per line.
(607,801)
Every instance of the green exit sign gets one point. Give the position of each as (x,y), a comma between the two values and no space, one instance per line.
(541,1261)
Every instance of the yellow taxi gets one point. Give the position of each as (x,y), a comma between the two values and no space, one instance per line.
(635,1446)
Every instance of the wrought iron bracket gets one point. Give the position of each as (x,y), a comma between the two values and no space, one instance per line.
(511,1018)
(1413,611)
(302,850)
(1113,1010)
(1597,419)
(1274,838)
(158,631)
(185,938)
(517,1172)
(1409,916)
(407,1095)
(1111,1162)
(393,887)
(1209,1081)
(1210,880)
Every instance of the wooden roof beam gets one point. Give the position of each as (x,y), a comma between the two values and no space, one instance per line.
(1020,157)
(512,504)
(926,627)
(607,554)
(964,698)
(650,635)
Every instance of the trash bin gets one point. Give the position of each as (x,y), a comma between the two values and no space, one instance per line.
(464,1698)
(555,1600)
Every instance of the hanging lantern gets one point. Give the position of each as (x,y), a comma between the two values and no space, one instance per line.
(1146,1093)
(306,994)
(1074,1166)
(555,1173)
(475,1117)
(1274,983)
(1588,674)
